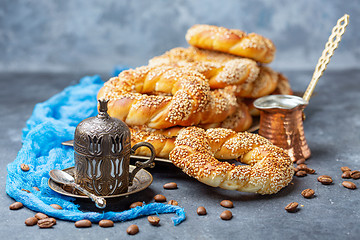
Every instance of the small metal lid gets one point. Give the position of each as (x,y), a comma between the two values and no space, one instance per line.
(97,135)
(287,102)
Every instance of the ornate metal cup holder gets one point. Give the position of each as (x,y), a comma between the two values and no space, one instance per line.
(142,180)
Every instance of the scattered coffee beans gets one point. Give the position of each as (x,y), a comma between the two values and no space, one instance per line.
(173,202)
(25,190)
(344,169)
(226,215)
(349,185)
(346,174)
(24,167)
(136,204)
(227,204)
(36,188)
(301,173)
(83,223)
(325,179)
(31,221)
(105,223)
(292,207)
(355,174)
(153,220)
(132,229)
(46,222)
(308,193)
(16,206)
(201,210)
(160,198)
(170,185)
(56,206)
(41,216)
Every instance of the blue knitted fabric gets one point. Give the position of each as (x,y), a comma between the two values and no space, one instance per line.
(51,123)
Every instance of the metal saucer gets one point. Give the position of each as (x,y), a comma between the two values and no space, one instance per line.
(142,180)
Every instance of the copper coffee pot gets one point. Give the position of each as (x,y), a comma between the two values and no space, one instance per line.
(281,115)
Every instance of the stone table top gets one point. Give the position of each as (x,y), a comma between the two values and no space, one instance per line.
(332,132)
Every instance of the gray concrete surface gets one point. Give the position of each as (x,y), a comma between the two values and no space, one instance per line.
(332,132)
(93,35)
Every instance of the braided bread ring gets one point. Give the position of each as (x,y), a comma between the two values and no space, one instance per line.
(220,74)
(163,139)
(265,84)
(192,103)
(232,41)
(269,168)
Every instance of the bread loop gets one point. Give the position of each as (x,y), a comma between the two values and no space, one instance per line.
(268,168)
(182,98)
(233,71)
(163,139)
(232,41)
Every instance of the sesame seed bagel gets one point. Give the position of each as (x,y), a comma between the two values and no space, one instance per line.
(232,41)
(268,168)
(166,96)
(265,84)
(233,71)
(163,139)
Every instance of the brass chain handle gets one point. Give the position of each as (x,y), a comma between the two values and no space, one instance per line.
(330,47)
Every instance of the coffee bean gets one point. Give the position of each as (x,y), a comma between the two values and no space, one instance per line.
(16,206)
(346,174)
(132,229)
(292,207)
(83,223)
(201,211)
(31,221)
(46,222)
(56,206)
(170,185)
(25,190)
(227,203)
(24,167)
(105,223)
(301,161)
(136,204)
(226,215)
(36,188)
(302,166)
(41,216)
(355,174)
(301,173)
(173,202)
(344,169)
(349,185)
(309,170)
(160,198)
(153,220)
(308,193)
(325,179)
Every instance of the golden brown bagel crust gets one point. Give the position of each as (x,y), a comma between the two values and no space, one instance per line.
(221,73)
(269,167)
(232,41)
(186,98)
(265,84)
(163,139)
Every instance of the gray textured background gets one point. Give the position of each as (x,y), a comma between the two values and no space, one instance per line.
(95,35)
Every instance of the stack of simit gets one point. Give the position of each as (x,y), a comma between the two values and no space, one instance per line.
(210,84)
